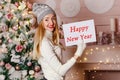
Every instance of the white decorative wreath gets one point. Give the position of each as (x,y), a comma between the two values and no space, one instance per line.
(99,6)
(70,8)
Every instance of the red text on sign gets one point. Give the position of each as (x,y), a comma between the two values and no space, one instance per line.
(72,39)
(83,36)
(78,29)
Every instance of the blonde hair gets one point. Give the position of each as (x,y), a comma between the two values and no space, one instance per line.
(39,34)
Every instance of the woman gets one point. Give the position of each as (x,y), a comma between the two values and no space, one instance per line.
(46,44)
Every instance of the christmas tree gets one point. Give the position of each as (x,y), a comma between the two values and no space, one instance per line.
(16,42)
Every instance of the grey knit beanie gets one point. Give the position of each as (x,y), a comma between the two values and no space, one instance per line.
(41,10)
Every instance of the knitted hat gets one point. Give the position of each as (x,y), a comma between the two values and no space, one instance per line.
(41,10)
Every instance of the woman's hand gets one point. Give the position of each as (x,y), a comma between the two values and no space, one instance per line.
(80,48)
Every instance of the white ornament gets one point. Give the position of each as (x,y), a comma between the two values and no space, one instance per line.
(33,21)
(70,8)
(8,1)
(11,70)
(3,45)
(24,73)
(2,56)
(99,6)
(31,72)
(15,75)
(15,58)
(7,7)
(1,1)
(22,6)
(13,7)
(2,77)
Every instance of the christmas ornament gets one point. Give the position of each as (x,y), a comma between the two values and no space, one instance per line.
(37,68)
(29,63)
(17,67)
(2,63)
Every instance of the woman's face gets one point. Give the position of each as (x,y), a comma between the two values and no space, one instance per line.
(49,22)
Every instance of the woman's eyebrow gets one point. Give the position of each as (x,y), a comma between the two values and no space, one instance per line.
(49,17)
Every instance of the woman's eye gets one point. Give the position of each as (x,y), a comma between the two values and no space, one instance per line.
(46,19)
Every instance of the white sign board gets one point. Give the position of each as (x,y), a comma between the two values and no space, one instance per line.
(84,30)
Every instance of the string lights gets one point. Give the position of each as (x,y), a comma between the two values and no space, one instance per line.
(97,58)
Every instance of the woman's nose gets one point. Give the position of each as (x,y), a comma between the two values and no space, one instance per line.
(51,22)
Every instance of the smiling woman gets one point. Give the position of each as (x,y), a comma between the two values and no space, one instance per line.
(47,49)
(49,22)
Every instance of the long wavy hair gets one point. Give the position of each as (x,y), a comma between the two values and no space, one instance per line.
(39,34)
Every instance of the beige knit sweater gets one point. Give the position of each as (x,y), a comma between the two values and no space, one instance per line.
(50,59)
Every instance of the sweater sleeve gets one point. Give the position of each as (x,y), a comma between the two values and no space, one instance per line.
(48,54)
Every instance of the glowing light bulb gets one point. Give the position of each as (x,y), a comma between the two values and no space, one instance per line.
(113,47)
(94,68)
(107,60)
(26,33)
(19,27)
(86,53)
(97,48)
(100,61)
(91,49)
(80,61)
(85,59)
(93,77)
